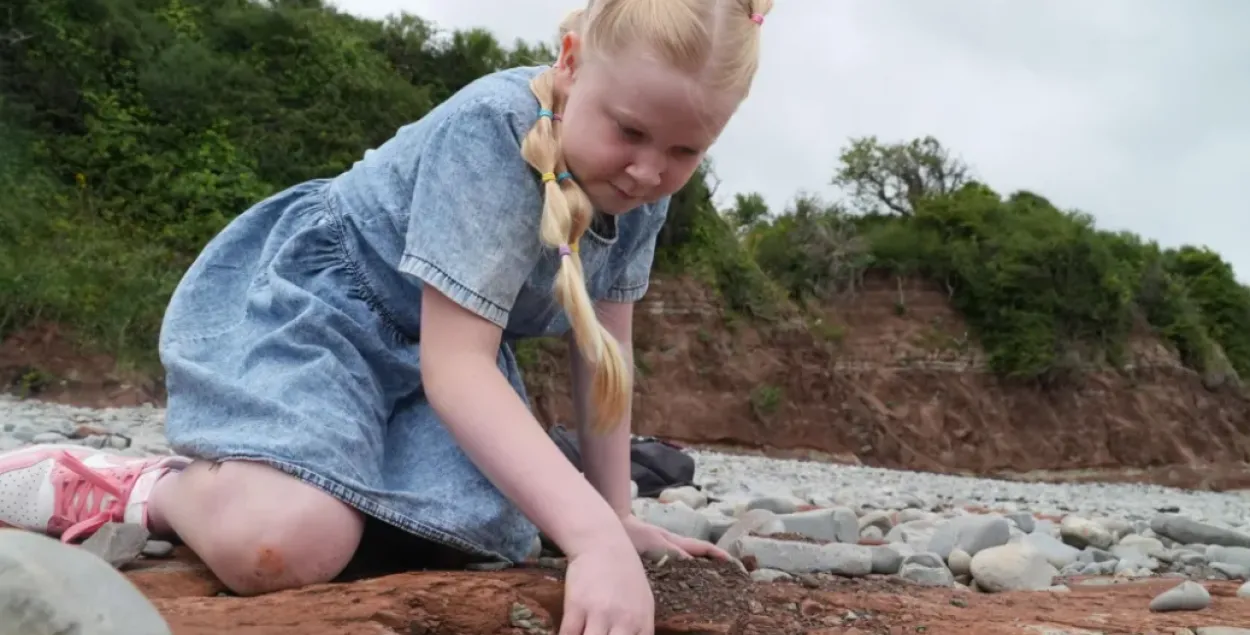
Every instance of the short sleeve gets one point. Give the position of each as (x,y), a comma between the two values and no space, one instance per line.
(635,277)
(476,206)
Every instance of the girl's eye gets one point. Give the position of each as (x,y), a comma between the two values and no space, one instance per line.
(633,134)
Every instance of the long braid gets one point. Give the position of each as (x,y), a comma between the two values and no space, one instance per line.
(566,217)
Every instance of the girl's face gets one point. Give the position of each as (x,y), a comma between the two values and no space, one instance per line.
(634,130)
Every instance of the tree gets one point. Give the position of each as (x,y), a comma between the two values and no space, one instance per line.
(894,178)
(748,211)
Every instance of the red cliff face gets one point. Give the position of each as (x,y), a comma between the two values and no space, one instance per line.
(893,379)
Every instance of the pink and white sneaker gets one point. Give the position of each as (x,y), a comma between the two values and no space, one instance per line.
(69,491)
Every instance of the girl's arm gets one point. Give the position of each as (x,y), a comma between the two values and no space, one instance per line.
(500,435)
(605,458)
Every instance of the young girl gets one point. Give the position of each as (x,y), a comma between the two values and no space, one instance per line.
(342,349)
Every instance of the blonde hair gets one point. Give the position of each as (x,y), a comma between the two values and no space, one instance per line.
(717,43)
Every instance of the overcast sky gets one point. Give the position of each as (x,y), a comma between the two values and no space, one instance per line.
(1136,111)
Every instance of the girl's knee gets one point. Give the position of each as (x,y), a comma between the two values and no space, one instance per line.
(271,530)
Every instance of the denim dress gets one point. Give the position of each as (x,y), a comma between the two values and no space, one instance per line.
(293,339)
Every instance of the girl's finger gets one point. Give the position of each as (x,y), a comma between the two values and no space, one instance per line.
(701,548)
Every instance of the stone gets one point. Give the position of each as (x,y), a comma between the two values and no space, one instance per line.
(1149,544)
(1023,520)
(717,526)
(1239,556)
(687,494)
(1082,532)
(924,559)
(164,549)
(887,559)
(969,533)
(777,504)
(805,557)
(1186,530)
(836,524)
(1058,554)
(959,562)
(917,533)
(876,518)
(678,518)
(48,588)
(872,532)
(927,576)
(760,522)
(1012,567)
(118,544)
(1186,596)
(770,575)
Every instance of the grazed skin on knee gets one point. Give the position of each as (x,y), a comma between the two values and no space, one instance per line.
(260,530)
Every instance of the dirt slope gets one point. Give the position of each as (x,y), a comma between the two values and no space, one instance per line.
(892,379)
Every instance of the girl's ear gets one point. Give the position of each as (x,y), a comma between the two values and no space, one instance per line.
(570,51)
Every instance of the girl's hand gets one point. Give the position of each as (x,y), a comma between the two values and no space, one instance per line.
(653,540)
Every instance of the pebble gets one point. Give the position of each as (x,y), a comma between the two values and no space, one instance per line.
(47,586)
(118,544)
(937,530)
(136,431)
(1012,567)
(1186,596)
(164,549)
(804,557)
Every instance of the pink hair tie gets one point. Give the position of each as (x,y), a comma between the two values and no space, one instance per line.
(757,18)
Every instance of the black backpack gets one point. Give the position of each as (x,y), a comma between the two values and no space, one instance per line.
(655,465)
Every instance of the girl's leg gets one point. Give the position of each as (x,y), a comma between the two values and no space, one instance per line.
(257,529)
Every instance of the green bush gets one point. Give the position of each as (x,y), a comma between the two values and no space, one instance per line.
(134,130)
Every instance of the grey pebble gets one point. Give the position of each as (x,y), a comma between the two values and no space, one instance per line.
(835,524)
(927,576)
(1186,596)
(48,437)
(118,544)
(770,575)
(803,557)
(1189,531)
(158,549)
(888,559)
(47,586)
(678,518)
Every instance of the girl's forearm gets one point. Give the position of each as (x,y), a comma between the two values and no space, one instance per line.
(605,457)
(501,437)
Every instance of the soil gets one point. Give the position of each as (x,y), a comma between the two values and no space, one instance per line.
(692,597)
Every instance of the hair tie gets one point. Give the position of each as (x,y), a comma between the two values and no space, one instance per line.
(757,18)
(567,249)
(543,112)
(548,177)
(564,176)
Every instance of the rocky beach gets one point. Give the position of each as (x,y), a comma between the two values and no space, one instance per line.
(819,548)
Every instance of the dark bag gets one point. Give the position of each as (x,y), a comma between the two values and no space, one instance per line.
(655,465)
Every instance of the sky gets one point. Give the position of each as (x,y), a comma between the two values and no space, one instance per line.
(1134,111)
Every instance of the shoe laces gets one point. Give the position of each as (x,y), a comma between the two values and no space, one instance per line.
(93,499)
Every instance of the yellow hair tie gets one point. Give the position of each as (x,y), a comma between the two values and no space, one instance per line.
(548,177)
